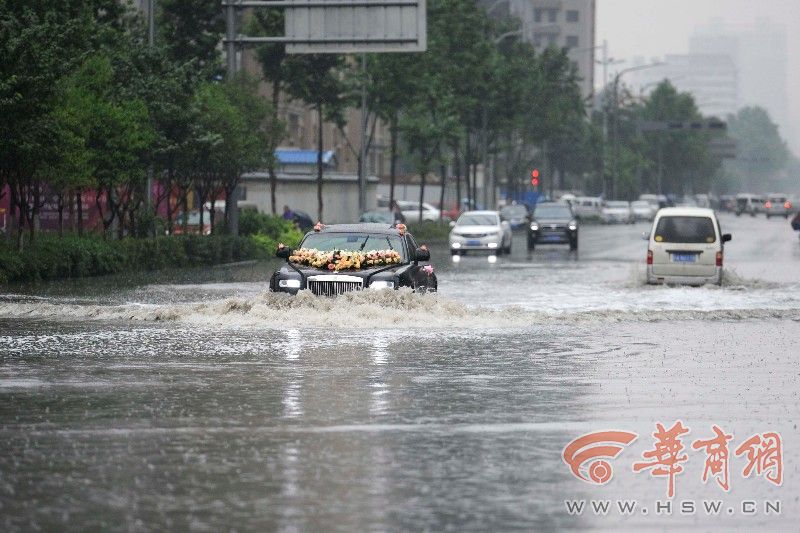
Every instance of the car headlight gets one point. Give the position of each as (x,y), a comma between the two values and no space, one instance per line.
(289,283)
(573,225)
(534,227)
(381,284)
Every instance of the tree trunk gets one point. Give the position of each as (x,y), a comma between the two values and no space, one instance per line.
(457,169)
(467,165)
(273,177)
(393,158)
(319,162)
(423,177)
(60,205)
(443,182)
(79,207)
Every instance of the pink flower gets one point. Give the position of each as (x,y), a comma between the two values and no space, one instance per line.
(428,269)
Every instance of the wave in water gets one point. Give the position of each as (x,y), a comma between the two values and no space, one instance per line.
(367,309)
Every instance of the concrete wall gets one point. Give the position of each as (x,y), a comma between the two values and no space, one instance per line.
(339,195)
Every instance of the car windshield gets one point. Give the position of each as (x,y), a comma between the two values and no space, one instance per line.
(328,242)
(685,229)
(617,205)
(553,211)
(640,203)
(477,219)
(514,211)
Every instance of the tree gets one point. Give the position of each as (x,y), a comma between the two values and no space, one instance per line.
(191,31)
(273,65)
(761,150)
(317,79)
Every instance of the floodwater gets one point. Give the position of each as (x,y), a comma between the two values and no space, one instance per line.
(196,400)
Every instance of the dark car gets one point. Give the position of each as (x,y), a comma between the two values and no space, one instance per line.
(303,220)
(517,215)
(553,223)
(335,259)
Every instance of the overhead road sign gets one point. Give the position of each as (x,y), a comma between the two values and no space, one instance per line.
(678,125)
(345,27)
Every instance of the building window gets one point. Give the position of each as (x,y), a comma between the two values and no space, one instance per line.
(242,192)
(552,14)
(538,40)
(537,15)
(551,39)
(572,15)
(572,41)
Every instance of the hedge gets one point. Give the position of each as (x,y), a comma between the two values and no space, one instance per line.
(51,257)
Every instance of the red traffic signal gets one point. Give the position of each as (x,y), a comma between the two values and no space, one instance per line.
(535,177)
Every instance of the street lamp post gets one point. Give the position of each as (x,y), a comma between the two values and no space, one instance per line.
(615,125)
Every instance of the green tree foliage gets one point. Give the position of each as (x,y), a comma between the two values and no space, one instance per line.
(761,152)
(319,81)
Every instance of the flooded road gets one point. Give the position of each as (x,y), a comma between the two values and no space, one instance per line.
(196,400)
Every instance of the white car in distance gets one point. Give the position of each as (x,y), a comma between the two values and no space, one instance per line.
(616,212)
(480,231)
(643,210)
(410,211)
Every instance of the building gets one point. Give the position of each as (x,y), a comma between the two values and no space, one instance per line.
(566,24)
(759,53)
(711,78)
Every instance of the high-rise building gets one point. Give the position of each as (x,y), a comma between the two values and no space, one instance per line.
(711,78)
(566,24)
(759,54)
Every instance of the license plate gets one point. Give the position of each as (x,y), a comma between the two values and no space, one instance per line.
(553,238)
(684,258)
(474,243)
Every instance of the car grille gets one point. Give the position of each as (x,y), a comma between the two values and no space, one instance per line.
(475,235)
(334,285)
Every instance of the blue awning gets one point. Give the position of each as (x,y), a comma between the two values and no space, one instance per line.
(303,157)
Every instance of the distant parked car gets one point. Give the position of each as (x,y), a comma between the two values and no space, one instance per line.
(746,204)
(778,205)
(410,210)
(192,223)
(303,220)
(380,216)
(587,207)
(643,210)
(616,212)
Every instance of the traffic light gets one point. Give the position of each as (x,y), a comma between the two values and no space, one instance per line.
(535,177)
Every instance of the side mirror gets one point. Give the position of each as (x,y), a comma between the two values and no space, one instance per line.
(283,252)
(645,236)
(726,237)
(452,223)
(422,254)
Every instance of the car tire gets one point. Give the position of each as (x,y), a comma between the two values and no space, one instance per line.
(507,249)
(573,244)
(531,245)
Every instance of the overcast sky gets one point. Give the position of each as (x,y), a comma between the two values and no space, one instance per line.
(653,28)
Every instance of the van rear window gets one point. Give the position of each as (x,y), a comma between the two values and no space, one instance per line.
(685,229)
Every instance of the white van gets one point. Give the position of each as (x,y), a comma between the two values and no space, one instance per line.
(587,207)
(685,246)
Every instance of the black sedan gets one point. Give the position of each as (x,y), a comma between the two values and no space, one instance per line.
(553,223)
(335,259)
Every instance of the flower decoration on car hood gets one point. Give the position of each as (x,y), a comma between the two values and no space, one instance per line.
(344,259)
